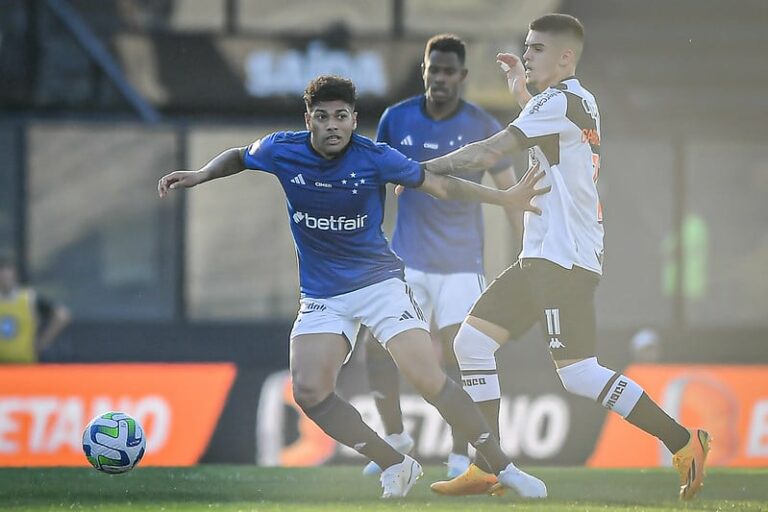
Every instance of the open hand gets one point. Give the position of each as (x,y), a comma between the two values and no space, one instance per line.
(177,179)
(522,193)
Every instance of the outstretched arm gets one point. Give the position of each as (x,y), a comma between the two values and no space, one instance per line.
(518,196)
(227,163)
(477,156)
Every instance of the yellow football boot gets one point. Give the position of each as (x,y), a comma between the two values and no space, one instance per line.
(689,462)
(473,481)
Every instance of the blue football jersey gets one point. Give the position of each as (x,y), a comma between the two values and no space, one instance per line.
(336,207)
(434,235)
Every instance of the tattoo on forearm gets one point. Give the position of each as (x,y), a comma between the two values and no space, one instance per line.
(477,156)
(463,190)
(470,158)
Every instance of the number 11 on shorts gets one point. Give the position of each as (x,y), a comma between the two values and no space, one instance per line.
(553,328)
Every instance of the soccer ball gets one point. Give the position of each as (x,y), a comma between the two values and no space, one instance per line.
(114,442)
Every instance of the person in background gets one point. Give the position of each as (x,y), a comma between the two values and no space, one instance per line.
(645,346)
(440,241)
(29,322)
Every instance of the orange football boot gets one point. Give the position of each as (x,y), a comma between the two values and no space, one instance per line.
(473,481)
(689,462)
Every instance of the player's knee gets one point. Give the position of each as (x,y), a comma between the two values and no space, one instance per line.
(474,350)
(611,389)
(585,378)
(308,393)
(307,397)
(428,383)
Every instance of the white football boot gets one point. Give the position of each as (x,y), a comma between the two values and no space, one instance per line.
(525,485)
(401,442)
(398,479)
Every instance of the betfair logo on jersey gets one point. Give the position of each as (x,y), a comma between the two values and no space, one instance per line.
(330,223)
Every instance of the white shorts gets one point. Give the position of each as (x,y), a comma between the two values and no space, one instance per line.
(446,299)
(386,308)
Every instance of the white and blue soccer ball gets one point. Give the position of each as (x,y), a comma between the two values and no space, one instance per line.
(114,442)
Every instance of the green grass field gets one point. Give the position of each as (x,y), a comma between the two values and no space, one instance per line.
(232,488)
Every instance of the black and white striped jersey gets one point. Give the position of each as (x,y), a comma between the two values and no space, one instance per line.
(561,126)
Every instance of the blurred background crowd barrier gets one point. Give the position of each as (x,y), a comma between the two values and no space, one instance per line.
(100,98)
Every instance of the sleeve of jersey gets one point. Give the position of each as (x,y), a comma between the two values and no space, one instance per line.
(399,169)
(541,118)
(259,154)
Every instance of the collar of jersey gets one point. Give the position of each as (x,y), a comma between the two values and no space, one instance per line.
(562,85)
(331,160)
(423,107)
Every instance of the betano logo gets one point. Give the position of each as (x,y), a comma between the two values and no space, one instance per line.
(329,223)
(56,423)
(44,409)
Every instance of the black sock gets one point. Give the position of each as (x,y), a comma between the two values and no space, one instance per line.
(490,410)
(460,441)
(342,422)
(648,416)
(384,381)
(458,409)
